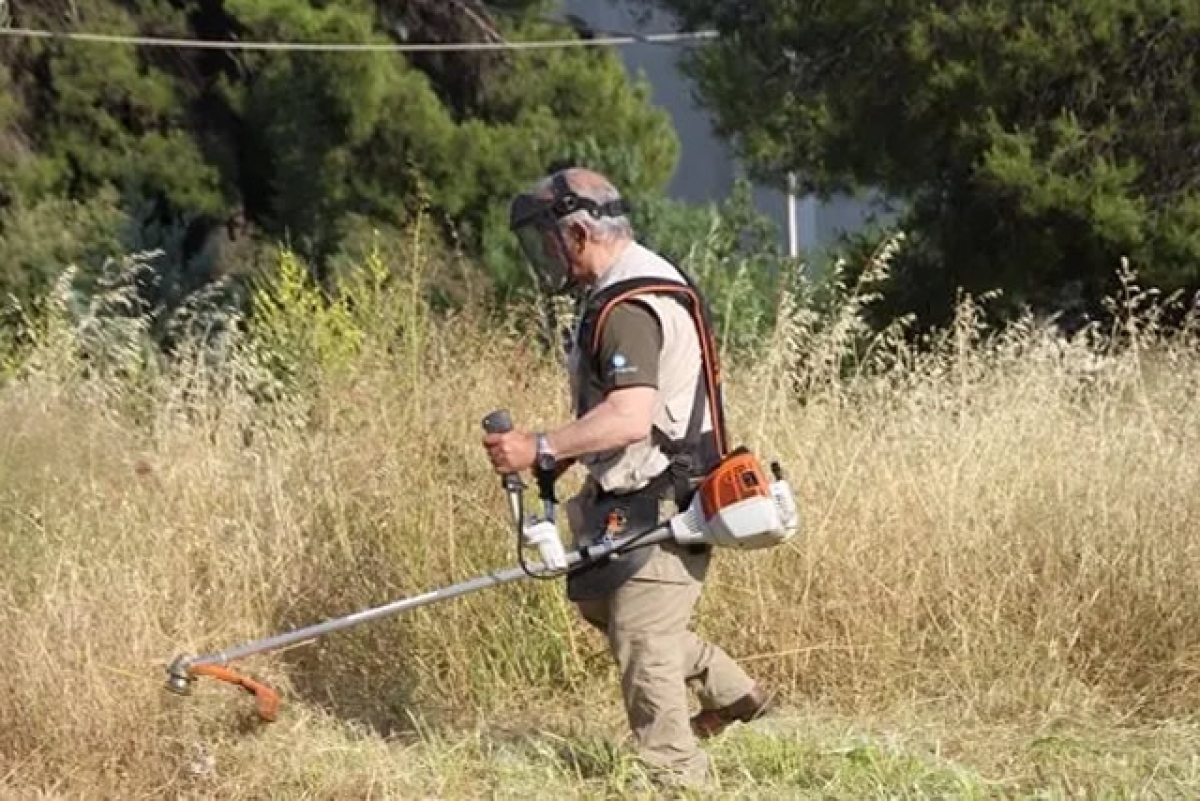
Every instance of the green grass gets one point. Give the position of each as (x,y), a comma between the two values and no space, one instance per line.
(793,755)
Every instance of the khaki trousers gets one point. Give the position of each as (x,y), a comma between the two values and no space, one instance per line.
(646,621)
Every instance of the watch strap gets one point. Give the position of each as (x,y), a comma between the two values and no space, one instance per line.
(545,456)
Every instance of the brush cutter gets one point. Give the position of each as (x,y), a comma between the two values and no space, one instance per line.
(736,506)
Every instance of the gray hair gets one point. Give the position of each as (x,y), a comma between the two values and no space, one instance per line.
(601,229)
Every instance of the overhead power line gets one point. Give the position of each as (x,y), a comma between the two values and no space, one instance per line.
(397,47)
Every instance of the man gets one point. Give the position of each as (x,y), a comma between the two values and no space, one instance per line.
(637,377)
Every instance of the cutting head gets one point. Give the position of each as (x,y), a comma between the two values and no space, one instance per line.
(181,674)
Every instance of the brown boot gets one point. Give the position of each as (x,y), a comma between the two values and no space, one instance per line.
(753,705)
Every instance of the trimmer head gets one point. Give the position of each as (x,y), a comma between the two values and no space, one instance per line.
(179,678)
(181,673)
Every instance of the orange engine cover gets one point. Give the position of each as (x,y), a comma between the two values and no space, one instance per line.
(737,478)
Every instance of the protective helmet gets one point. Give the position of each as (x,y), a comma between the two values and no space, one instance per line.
(534,220)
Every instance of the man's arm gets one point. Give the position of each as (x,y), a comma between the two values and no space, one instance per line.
(627,359)
(622,418)
(628,356)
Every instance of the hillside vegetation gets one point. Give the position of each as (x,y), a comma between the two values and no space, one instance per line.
(994,593)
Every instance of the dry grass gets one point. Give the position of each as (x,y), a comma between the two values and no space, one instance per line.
(999,553)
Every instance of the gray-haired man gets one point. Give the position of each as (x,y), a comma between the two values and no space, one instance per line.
(636,380)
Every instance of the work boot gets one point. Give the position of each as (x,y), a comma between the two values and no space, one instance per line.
(752,706)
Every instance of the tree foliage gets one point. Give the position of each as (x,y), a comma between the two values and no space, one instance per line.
(299,147)
(1031,144)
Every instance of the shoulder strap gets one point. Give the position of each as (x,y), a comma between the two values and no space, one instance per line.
(687,294)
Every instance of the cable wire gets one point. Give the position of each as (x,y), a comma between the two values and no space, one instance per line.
(396,47)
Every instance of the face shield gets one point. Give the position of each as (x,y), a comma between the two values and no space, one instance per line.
(535,221)
(542,243)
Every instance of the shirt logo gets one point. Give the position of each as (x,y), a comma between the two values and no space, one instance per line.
(621,365)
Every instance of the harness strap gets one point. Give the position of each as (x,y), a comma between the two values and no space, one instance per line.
(694,303)
(693,454)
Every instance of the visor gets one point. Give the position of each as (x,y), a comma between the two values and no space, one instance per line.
(534,221)
(544,249)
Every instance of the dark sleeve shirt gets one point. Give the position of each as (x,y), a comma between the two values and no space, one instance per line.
(630,345)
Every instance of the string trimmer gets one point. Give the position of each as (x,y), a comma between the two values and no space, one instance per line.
(736,506)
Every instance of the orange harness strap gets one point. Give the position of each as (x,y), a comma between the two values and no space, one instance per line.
(709,357)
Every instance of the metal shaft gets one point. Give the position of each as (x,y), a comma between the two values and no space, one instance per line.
(280,640)
(483,582)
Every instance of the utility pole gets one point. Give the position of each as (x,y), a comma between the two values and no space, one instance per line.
(793,230)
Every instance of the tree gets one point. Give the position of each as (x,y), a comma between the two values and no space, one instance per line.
(1032,144)
(303,146)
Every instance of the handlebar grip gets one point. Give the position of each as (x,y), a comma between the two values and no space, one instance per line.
(498,422)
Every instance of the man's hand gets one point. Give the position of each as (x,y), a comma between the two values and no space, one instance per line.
(622,418)
(511,452)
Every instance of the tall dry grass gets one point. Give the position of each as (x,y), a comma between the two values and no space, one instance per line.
(995,528)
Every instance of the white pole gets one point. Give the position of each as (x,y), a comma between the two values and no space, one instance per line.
(793,233)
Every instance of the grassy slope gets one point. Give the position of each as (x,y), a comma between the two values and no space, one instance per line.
(995,594)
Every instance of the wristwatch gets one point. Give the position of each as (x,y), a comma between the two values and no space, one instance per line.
(545,457)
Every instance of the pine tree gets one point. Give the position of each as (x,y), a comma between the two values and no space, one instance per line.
(1031,144)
